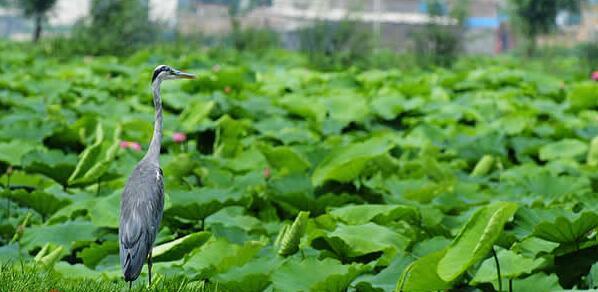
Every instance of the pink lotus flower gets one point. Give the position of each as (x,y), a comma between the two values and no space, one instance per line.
(595,76)
(179,137)
(130,145)
(267,172)
(135,146)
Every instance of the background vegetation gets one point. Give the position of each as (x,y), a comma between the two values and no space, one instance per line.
(342,166)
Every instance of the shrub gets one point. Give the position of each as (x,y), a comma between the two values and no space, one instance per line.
(115,27)
(588,52)
(331,46)
(436,45)
(254,39)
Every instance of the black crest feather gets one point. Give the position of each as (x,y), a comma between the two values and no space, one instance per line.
(158,70)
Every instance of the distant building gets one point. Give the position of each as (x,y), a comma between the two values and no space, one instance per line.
(575,27)
(394,21)
(206,17)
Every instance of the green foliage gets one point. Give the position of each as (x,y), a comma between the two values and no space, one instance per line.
(347,163)
(42,202)
(436,45)
(254,39)
(291,236)
(588,52)
(331,46)
(95,160)
(115,27)
(558,226)
(475,240)
(253,276)
(512,266)
(53,164)
(12,152)
(534,17)
(331,275)
(568,148)
(421,275)
(439,44)
(66,234)
(177,249)
(483,166)
(387,278)
(583,95)
(409,176)
(15,277)
(381,214)
(353,241)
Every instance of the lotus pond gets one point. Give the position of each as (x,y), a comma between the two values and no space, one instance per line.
(282,178)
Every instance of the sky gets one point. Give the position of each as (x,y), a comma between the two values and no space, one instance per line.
(66,12)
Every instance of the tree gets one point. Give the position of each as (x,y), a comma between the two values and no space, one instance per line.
(535,17)
(115,27)
(440,44)
(37,9)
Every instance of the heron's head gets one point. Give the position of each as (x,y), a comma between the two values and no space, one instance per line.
(164,72)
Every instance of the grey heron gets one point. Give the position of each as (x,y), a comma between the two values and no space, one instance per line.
(143,197)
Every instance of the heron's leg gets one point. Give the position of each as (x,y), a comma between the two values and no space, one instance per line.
(149,267)
(130,284)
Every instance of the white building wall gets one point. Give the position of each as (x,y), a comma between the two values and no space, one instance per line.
(67,12)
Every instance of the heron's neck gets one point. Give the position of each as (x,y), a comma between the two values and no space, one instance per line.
(153,153)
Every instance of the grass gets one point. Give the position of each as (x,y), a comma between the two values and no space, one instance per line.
(31,278)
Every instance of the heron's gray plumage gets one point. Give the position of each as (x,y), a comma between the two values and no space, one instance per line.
(142,200)
(141,212)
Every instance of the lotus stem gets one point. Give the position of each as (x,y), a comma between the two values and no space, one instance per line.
(497,270)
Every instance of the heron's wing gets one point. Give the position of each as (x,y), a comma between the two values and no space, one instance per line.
(141,212)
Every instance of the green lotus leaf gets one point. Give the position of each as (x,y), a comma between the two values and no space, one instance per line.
(65,234)
(567,148)
(52,163)
(12,152)
(381,214)
(475,239)
(387,278)
(95,160)
(44,203)
(511,264)
(95,253)
(284,158)
(358,240)
(218,255)
(346,163)
(200,203)
(194,114)
(178,248)
(331,275)
(421,275)
(555,225)
(253,276)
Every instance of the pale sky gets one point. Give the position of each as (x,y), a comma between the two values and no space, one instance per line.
(66,12)
(163,10)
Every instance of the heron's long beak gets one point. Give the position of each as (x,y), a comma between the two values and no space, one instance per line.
(184,75)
